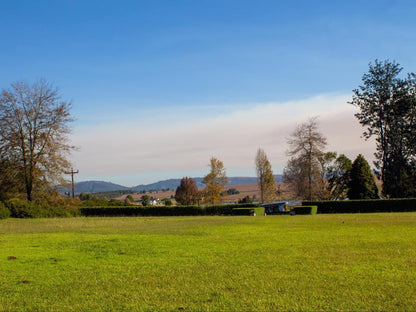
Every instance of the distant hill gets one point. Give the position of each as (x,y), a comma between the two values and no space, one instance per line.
(97,186)
(161,185)
(172,184)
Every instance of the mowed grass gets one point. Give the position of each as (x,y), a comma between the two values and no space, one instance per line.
(359,262)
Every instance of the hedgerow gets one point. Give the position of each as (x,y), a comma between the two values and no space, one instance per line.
(163,210)
(305,210)
(364,205)
(258,211)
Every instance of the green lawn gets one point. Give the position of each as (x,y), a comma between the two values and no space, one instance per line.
(361,262)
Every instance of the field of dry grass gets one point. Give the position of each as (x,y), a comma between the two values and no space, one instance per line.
(244,189)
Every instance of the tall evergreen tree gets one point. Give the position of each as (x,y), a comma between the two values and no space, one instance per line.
(387,106)
(362,184)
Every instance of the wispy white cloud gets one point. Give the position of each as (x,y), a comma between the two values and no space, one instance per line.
(136,147)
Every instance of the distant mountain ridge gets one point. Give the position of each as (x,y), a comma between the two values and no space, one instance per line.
(101,186)
(97,186)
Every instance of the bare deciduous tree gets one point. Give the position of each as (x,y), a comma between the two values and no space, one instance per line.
(8,177)
(304,170)
(34,128)
(265,176)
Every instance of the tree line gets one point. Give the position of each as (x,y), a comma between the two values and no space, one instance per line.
(34,146)
(387,111)
(314,174)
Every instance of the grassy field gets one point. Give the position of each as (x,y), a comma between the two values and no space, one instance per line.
(361,262)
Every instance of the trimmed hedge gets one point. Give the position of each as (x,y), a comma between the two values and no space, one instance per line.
(163,210)
(364,205)
(259,211)
(305,210)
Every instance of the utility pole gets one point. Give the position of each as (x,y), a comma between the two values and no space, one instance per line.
(72,172)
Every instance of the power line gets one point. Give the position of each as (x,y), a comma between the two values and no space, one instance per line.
(72,172)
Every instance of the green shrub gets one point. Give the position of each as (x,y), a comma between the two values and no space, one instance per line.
(142,211)
(116,202)
(163,210)
(73,212)
(4,211)
(93,201)
(305,210)
(364,205)
(256,211)
(145,200)
(111,211)
(25,209)
(167,201)
(227,210)
(245,200)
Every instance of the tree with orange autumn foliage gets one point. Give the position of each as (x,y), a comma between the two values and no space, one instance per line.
(215,182)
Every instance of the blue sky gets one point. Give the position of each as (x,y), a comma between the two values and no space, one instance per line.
(158,87)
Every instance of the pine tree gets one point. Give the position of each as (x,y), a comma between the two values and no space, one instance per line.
(362,184)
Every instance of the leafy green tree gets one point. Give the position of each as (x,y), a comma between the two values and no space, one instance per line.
(387,106)
(232,191)
(167,201)
(362,184)
(4,211)
(245,200)
(304,171)
(338,177)
(215,182)
(145,200)
(265,177)
(116,202)
(128,200)
(86,196)
(90,200)
(187,192)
